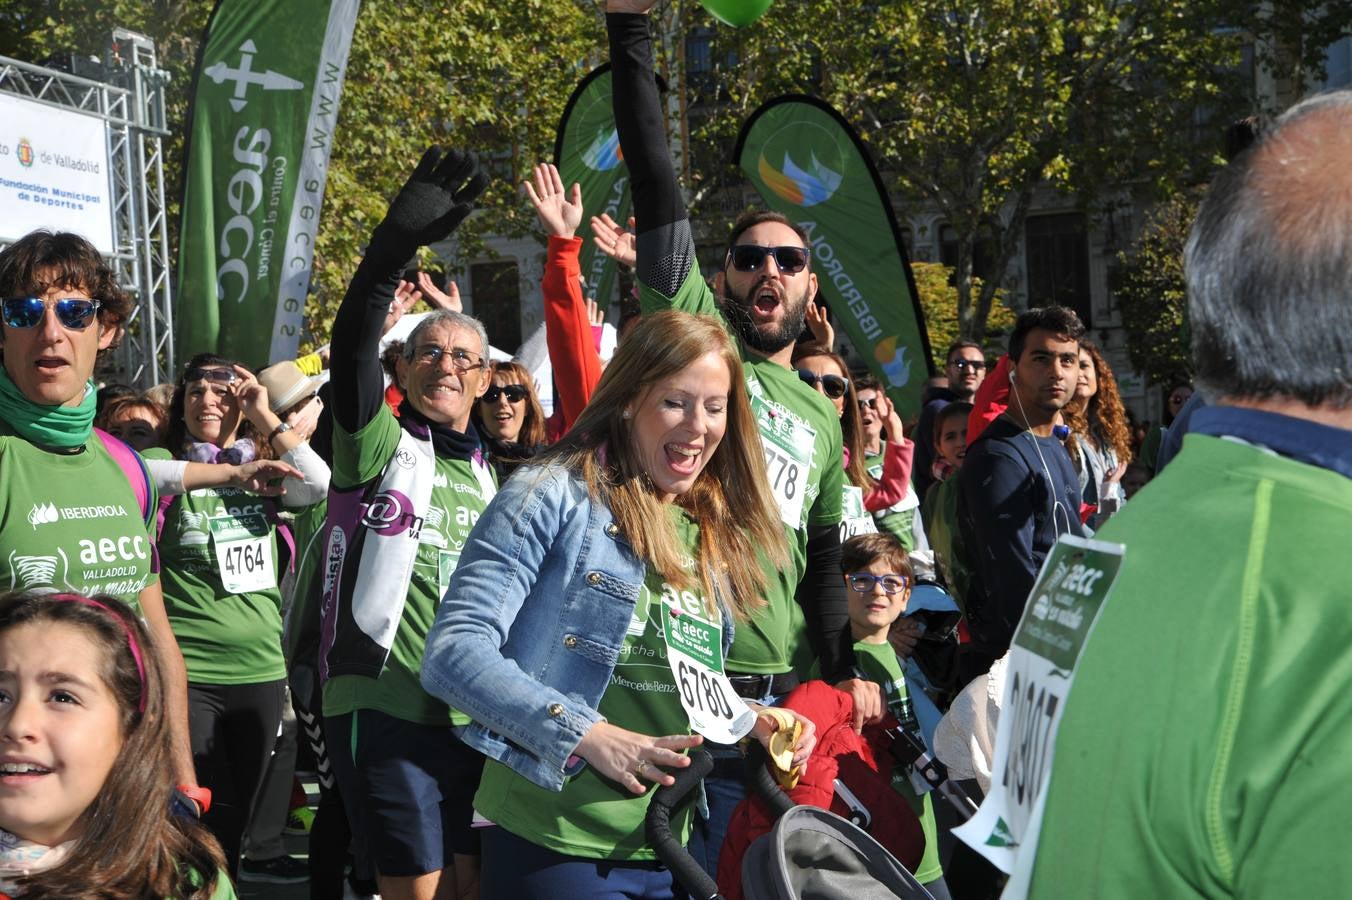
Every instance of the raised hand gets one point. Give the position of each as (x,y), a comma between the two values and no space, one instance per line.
(613,240)
(436,198)
(251,395)
(595,314)
(406,296)
(821,328)
(560,211)
(435,297)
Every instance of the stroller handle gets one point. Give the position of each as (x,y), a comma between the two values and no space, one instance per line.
(657,828)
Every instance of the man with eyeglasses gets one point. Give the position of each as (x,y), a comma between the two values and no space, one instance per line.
(72,520)
(761,292)
(405,493)
(966,369)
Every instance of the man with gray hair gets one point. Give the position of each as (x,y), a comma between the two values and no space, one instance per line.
(406,490)
(1210,727)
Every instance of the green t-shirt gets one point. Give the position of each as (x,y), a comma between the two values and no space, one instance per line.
(457,502)
(300,593)
(802,442)
(878,663)
(897,520)
(71,522)
(594,817)
(940,515)
(1209,727)
(211,534)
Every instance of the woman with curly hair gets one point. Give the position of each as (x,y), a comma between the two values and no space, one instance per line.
(1100,441)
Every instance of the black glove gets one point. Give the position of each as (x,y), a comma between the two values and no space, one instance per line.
(436,198)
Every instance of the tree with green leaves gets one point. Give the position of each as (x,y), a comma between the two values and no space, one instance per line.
(939,300)
(1151,292)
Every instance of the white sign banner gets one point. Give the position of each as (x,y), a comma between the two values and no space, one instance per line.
(53,172)
(1064,604)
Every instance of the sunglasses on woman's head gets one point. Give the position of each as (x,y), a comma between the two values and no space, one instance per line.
(217,375)
(833,386)
(72,312)
(514,393)
(750,257)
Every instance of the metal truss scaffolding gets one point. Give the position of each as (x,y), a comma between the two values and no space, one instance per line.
(129,98)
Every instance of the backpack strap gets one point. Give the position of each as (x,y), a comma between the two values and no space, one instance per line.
(134,468)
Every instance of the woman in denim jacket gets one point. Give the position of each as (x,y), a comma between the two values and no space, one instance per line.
(550,633)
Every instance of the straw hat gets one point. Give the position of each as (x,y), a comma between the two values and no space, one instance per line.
(287,385)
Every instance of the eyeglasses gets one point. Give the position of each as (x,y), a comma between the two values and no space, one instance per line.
(461,360)
(976,365)
(833,386)
(217,375)
(870,403)
(73,312)
(514,393)
(750,257)
(863,582)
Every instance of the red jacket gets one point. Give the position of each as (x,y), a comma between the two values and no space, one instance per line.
(863,763)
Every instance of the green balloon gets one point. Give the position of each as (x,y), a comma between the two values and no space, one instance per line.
(737,12)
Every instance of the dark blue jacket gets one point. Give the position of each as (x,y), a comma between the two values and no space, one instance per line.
(1016,494)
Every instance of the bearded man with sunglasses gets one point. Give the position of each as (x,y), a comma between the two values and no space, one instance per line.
(762,294)
(70,519)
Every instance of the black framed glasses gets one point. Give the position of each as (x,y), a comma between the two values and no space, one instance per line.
(72,312)
(863,582)
(976,365)
(833,386)
(461,360)
(750,257)
(514,393)
(214,374)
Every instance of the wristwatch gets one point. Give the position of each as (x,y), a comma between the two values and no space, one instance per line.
(282,428)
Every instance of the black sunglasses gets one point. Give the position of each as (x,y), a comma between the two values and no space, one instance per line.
(870,403)
(975,364)
(514,393)
(833,386)
(750,257)
(72,312)
(217,375)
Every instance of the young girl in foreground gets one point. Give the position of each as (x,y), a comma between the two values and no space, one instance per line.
(85,779)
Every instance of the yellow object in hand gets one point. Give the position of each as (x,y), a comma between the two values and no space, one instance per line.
(788,729)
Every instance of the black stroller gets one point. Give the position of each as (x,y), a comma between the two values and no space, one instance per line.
(810,854)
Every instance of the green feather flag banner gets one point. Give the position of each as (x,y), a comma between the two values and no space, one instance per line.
(587,152)
(808,164)
(264,110)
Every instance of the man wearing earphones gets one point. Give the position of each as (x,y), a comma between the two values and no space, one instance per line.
(1017,490)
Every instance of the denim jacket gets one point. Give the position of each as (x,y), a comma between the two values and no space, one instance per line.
(533,621)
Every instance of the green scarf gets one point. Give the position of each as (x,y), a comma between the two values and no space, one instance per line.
(58,427)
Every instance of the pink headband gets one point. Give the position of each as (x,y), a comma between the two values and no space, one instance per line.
(131,639)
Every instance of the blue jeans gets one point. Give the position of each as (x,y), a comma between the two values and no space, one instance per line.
(722,794)
(516,869)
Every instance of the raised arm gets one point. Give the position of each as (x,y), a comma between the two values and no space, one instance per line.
(436,198)
(568,331)
(666,248)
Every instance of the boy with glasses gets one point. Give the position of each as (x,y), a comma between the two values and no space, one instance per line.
(878,575)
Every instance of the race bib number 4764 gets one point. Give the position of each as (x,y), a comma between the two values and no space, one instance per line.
(243,547)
